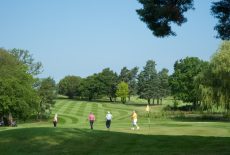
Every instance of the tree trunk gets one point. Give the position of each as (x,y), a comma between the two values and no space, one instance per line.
(153,101)
(158,101)
(149,101)
(111,99)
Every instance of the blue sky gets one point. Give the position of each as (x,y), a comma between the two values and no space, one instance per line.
(82,37)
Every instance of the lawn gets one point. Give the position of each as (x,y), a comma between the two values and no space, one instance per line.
(73,136)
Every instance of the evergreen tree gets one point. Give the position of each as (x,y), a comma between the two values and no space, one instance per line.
(130,77)
(164,89)
(159,14)
(221,10)
(148,82)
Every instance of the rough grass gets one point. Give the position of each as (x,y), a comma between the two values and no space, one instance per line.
(73,136)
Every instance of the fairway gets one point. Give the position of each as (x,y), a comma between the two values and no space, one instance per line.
(73,136)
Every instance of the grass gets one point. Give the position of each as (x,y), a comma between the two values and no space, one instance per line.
(73,136)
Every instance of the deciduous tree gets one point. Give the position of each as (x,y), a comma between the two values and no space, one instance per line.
(122,91)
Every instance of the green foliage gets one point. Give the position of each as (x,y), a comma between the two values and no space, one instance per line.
(107,80)
(34,68)
(17,95)
(221,10)
(70,86)
(122,91)
(148,82)
(47,93)
(182,81)
(90,88)
(164,89)
(214,81)
(159,14)
(129,76)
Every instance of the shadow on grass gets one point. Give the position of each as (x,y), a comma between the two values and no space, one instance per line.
(83,141)
(201,118)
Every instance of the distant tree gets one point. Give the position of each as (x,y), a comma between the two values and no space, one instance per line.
(182,80)
(122,91)
(124,75)
(90,87)
(221,10)
(108,81)
(133,82)
(26,58)
(47,92)
(159,14)
(214,80)
(17,95)
(130,77)
(164,89)
(70,86)
(148,82)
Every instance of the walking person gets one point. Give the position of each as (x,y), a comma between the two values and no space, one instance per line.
(108,120)
(55,120)
(134,120)
(91,120)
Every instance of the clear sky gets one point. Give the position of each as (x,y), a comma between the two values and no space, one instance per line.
(82,37)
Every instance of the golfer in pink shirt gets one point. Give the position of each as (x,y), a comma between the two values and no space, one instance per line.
(91,119)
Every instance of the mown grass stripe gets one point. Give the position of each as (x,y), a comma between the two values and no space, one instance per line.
(81,110)
(69,107)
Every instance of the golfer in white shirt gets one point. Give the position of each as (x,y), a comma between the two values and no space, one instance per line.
(108,119)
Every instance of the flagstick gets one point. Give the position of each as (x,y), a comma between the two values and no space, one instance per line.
(148,110)
(149,120)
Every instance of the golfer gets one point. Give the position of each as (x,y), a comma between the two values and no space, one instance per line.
(134,120)
(108,120)
(91,120)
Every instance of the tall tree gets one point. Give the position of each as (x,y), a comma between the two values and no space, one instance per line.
(148,82)
(164,89)
(17,95)
(122,91)
(90,87)
(215,82)
(26,58)
(130,77)
(159,14)
(47,92)
(124,75)
(70,86)
(221,10)
(182,80)
(108,81)
(133,82)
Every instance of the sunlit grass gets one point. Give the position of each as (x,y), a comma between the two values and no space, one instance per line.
(73,136)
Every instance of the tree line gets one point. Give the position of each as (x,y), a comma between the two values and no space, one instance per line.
(148,84)
(204,84)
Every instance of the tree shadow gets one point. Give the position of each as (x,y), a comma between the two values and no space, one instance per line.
(201,118)
(46,140)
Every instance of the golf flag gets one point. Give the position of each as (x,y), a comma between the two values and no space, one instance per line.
(147,108)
